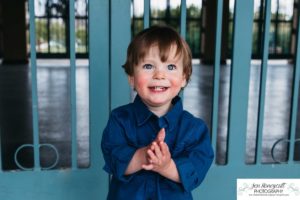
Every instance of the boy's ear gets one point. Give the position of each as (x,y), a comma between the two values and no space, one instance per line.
(183,84)
(131,81)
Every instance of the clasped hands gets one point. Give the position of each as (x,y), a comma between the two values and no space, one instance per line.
(157,154)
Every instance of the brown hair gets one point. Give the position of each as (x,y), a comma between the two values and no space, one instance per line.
(164,37)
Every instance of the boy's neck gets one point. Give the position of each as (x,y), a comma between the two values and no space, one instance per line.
(161,110)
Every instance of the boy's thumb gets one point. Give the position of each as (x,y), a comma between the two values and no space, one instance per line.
(161,135)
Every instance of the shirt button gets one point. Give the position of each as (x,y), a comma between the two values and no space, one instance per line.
(192,173)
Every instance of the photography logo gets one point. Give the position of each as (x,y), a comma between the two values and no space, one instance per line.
(265,189)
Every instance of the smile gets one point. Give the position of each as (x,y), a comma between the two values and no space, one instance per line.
(158,88)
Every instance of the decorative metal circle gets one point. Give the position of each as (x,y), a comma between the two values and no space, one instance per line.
(31,146)
(16,156)
(276,143)
(56,153)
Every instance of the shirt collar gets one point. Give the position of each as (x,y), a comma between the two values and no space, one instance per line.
(142,113)
(173,115)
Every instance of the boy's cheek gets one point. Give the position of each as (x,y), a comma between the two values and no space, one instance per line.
(178,83)
(141,82)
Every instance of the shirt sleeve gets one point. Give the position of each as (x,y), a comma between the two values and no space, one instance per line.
(196,158)
(116,150)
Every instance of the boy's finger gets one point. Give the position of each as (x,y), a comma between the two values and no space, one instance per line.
(152,156)
(157,151)
(152,146)
(161,135)
(164,148)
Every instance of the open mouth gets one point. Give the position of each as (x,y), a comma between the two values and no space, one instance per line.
(158,88)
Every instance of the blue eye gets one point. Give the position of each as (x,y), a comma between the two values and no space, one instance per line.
(148,66)
(171,67)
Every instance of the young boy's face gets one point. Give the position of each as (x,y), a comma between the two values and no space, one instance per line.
(157,82)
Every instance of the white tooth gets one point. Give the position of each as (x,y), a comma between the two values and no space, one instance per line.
(158,88)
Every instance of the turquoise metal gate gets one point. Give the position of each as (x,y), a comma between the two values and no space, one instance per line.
(109,29)
(74,183)
(221,182)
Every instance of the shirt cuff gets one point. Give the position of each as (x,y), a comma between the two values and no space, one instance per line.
(120,159)
(188,175)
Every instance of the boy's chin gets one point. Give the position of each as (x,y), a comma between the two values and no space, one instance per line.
(159,103)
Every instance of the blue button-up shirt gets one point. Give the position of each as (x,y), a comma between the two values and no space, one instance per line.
(133,126)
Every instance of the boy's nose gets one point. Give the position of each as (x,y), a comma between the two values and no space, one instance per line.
(159,74)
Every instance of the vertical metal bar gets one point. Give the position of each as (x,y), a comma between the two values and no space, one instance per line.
(120,38)
(99,56)
(34,96)
(48,27)
(263,78)
(183,19)
(294,107)
(182,29)
(218,38)
(98,76)
(0,150)
(87,27)
(146,13)
(73,83)
(240,76)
